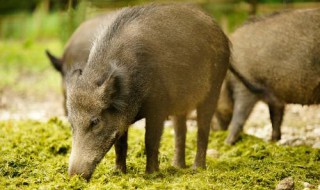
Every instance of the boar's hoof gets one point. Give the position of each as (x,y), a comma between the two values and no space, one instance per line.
(231,140)
(179,165)
(122,169)
(199,166)
(275,137)
(151,170)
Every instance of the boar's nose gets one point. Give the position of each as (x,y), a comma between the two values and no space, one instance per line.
(86,174)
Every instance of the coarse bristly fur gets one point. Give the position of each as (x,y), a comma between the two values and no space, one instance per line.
(280,54)
(151,62)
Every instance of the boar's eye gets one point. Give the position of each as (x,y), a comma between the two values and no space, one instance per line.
(94,121)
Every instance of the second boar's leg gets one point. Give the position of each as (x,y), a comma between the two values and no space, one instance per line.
(276,116)
(154,128)
(244,102)
(121,147)
(180,130)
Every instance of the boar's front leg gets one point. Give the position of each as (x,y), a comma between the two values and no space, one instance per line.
(121,147)
(154,129)
(276,115)
(244,102)
(180,130)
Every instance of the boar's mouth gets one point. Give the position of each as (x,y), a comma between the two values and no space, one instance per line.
(97,161)
(111,142)
(114,137)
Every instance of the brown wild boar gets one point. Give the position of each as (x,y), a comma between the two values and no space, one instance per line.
(151,62)
(279,54)
(76,51)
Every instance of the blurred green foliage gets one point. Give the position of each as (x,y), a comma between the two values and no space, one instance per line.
(41,23)
(39,19)
(12,6)
(25,69)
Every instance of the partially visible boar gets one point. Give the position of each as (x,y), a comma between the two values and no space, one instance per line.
(77,49)
(281,55)
(152,62)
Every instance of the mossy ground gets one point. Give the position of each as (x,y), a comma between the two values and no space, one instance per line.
(34,155)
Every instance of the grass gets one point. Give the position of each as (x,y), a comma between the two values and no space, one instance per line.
(35,155)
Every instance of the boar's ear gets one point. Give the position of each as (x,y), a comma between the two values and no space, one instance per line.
(56,62)
(114,87)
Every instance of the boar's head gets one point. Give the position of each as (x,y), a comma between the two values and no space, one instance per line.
(96,111)
(224,110)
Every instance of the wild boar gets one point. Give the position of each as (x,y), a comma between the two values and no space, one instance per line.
(77,49)
(280,54)
(151,62)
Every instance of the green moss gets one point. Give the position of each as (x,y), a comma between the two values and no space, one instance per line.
(35,155)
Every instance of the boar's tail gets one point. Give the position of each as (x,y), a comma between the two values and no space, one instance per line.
(259,90)
(56,62)
(251,87)
(268,96)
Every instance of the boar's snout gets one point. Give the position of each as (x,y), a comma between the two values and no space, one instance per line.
(85,170)
(81,165)
(85,175)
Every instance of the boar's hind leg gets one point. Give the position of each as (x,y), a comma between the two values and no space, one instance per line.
(205,113)
(243,105)
(180,129)
(154,128)
(276,115)
(121,147)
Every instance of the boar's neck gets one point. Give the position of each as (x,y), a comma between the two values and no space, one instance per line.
(139,90)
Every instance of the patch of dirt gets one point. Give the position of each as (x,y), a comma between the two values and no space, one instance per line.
(25,106)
